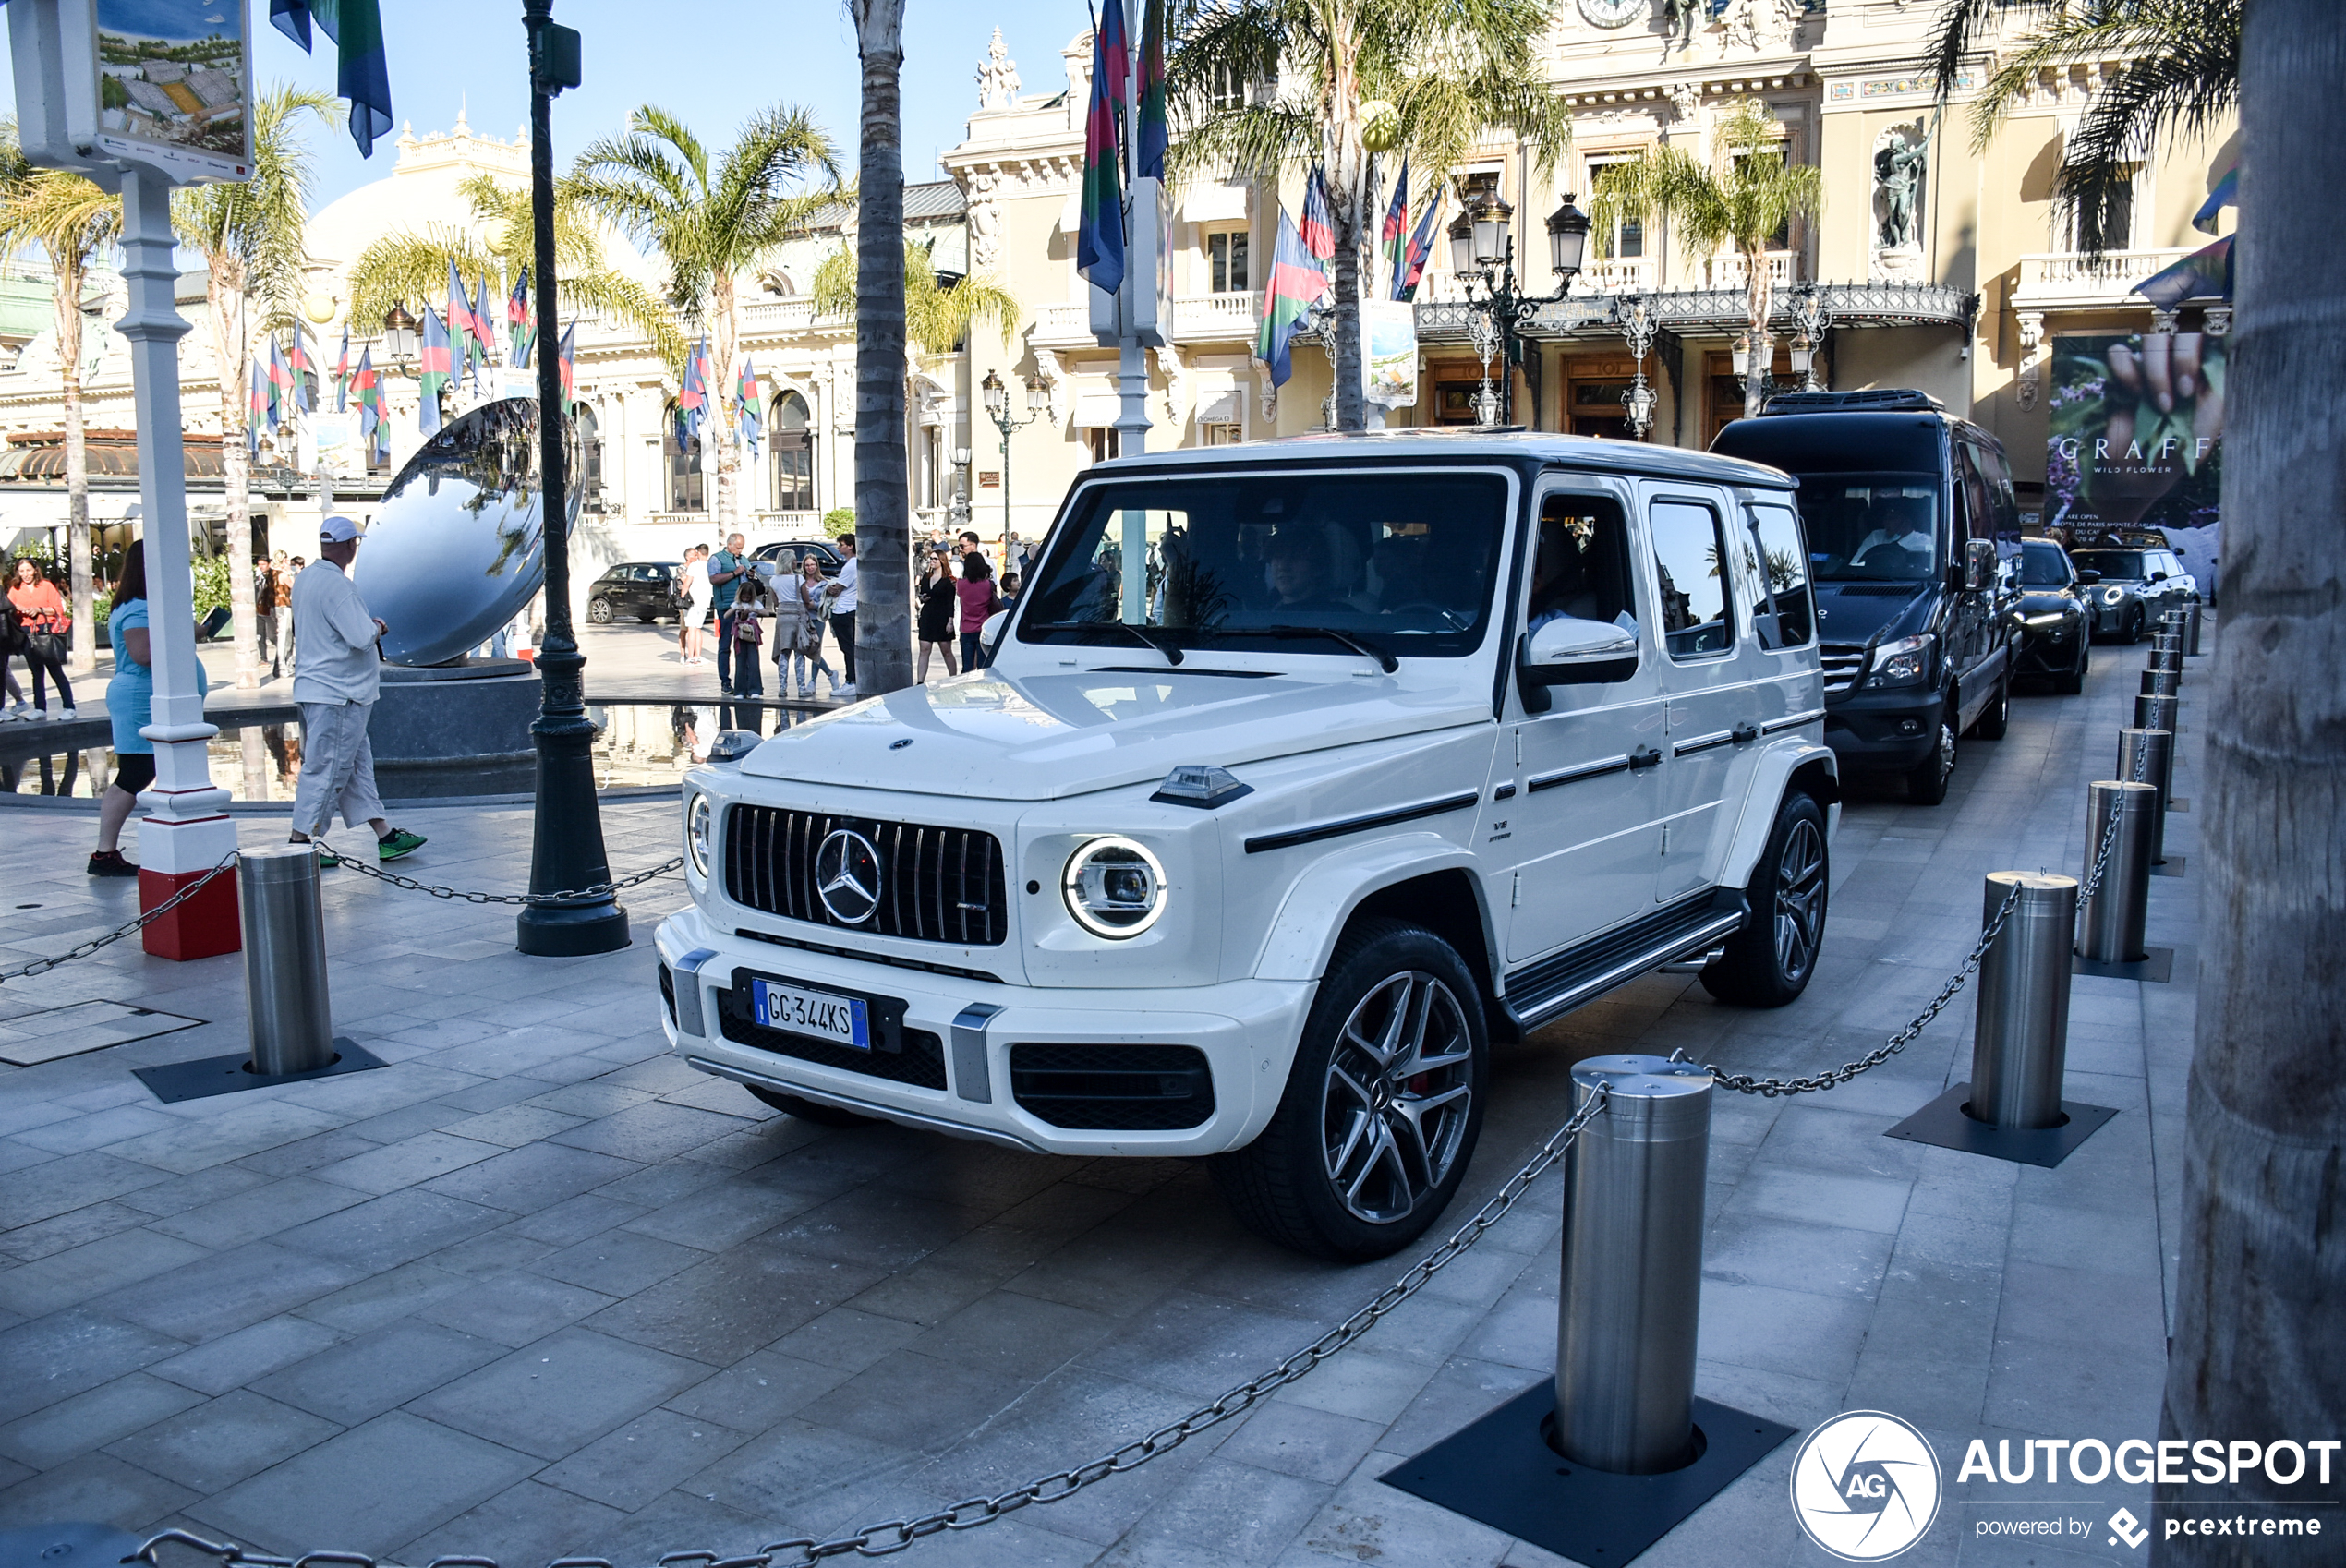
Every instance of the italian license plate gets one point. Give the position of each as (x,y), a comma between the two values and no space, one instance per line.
(843,1020)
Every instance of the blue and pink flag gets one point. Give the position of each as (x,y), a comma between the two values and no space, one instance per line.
(1296,283)
(692,402)
(342,373)
(1412,268)
(563,352)
(517,323)
(1394,238)
(749,423)
(431,371)
(362,71)
(256,409)
(1148,157)
(1317,229)
(2206,274)
(484,326)
(2226,193)
(1099,238)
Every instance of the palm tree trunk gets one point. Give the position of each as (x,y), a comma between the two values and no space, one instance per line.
(2256,1351)
(235,470)
(720,398)
(883,518)
(1761,292)
(84,655)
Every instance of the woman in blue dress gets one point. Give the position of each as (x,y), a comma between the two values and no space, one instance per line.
(130,708)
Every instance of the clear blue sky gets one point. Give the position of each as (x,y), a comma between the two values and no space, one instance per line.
(711,62)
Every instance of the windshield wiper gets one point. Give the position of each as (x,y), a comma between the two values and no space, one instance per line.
(1385,661)
(1171,652)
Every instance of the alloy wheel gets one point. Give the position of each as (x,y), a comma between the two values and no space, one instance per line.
(1800,896)
(1394,1106)
(1946,749)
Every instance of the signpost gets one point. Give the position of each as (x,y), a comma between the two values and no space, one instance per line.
(140,96)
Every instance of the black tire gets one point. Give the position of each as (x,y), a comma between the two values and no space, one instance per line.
(599,611)
(1996,718)
(1348,1084)
(1926,780)
(1768,962)
(647,616)
(809,1110)
(2073,682)
(2136,621)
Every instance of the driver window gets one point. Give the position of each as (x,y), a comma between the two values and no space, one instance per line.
(1687,555)
(1581,567)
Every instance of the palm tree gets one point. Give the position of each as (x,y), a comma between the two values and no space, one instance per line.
(2181,79)
(883,500)
(71,221)
(251,237)
(1744,197)
(2255,1347)
(1452,70)
(937,315)
(410,268)
(711,218)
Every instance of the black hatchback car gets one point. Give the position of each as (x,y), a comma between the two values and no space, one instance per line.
(645,590)
(2052,619)
(798,549)
(2133,589)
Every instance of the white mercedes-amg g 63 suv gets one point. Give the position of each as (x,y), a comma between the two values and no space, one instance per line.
(1304,771)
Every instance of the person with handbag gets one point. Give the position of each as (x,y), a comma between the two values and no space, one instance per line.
(815,603)
(940,613)
(978,600)
(745,625)
(48,623)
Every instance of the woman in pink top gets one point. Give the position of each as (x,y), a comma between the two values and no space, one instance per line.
(46,623)
(979,600)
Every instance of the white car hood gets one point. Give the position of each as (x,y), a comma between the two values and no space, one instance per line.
(1045,737)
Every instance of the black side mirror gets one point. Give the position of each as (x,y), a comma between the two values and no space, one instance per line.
(2086,574)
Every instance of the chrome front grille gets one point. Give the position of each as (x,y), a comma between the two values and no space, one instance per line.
(935,883)
(1842,665)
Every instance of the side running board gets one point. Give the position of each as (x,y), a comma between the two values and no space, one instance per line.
(1539,991)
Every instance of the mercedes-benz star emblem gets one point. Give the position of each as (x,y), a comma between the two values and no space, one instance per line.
(847,876)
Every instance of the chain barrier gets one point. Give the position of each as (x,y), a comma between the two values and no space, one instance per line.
(408,883)
(1770,1088)
(97,943)
(895,1534)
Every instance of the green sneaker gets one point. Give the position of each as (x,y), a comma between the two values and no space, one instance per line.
(397,843)
(327,859)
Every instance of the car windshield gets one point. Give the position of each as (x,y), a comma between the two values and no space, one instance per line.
(2112,563)
(1387,565)
(2041,566)
(1873,527)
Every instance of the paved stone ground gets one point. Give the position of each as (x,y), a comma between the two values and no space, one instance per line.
(535,1288)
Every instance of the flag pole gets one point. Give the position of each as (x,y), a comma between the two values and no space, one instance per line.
(566,847)
(1131,361)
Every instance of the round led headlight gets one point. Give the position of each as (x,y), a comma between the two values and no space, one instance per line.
(1114,887)
(700,832)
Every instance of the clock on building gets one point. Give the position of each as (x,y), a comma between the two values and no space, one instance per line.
(1613,13)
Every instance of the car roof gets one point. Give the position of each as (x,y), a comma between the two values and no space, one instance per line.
(1586,453)
(624,565)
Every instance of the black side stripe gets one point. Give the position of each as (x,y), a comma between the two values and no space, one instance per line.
(1574,775)
(1337,829)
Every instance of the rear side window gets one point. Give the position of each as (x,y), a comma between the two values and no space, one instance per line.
(1689,555)
(1788,619)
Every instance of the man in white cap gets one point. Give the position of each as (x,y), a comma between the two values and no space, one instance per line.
(335,681)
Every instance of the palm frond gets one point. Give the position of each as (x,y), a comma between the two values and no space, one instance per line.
(938,315)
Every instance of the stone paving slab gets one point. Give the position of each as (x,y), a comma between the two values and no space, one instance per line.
(535,1288)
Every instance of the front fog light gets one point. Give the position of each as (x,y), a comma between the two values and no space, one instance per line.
(1114,887)
(700,833)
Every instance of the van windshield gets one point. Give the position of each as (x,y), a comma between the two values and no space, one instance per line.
(1394,565)
(1871,527)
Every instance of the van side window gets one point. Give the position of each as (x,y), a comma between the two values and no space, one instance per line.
(1689,556)
(1974,516)
(1789,618)
(1582,566)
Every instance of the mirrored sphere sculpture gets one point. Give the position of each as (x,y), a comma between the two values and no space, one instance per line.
(459,546)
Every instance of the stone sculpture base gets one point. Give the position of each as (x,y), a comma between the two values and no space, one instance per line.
(459,729)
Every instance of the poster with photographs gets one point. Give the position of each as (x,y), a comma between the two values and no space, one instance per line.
(2136,436)
(175,83)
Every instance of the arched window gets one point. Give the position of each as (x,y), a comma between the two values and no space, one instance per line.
(686,483)
(588,433)
(793,455)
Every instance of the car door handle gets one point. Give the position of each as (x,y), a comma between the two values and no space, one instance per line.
(1741,733)
(1644,756)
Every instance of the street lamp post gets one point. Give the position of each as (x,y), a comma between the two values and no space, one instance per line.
(1639,328)
(566,846)
(1483,250)
(1811,321)
(998,408)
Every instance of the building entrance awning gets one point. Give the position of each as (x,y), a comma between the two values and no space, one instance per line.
(1718,310)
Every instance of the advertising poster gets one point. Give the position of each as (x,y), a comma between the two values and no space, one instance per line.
(173,86)
(2135,434)
(1389,357)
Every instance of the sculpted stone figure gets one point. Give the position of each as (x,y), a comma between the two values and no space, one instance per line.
(997,82)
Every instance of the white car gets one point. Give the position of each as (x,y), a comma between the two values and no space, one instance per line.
(1304,771)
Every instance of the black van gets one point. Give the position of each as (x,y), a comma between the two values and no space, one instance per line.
(1910,516)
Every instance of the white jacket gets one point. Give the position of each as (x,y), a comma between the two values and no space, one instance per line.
(335,660)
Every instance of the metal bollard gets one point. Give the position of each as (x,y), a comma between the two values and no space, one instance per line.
(1632,1270)
(2168,656)
(2162,683)
(2020,1050)
(285,928)
(2111,930)
(2157,770)
(2156,713)
(2191,629)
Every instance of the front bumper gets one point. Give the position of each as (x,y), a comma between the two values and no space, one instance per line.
(2049,650)
(1247,1031)
(1886,731)
(2109,617)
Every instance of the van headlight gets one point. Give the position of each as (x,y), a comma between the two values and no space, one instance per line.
(1905,662)
(700,832)
(1114,887)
